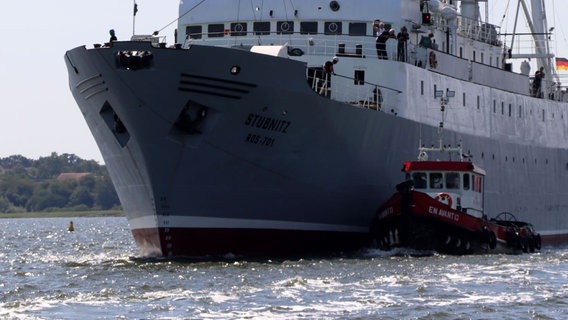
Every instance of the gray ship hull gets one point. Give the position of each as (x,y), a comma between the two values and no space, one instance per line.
(263,165)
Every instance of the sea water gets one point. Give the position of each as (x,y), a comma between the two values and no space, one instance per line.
(94,273)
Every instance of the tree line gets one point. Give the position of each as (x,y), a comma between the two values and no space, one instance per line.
(28,185)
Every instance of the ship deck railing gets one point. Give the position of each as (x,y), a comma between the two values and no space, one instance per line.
(313,44)
(317,47)
(366,95)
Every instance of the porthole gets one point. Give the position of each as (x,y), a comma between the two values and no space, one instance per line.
(239,27)
(235,70)
(332,27)
(334,5)
(285,26)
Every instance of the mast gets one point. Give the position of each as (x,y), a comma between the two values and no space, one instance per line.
(538,27)
(134,10)
(540,36)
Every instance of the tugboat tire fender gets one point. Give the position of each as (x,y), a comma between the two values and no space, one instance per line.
(537,242)
(490,238)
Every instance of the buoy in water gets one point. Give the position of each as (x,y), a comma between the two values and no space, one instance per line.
(70,228)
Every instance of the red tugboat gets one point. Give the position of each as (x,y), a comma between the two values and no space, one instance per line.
(440,207)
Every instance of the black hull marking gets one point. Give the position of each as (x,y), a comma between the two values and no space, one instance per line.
(199,84)
(246,84)
(210,93)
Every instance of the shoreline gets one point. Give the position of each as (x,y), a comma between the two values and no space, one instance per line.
(63,214)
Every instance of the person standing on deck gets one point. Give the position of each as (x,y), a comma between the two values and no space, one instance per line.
(382,36)
(327,72)
(402,38)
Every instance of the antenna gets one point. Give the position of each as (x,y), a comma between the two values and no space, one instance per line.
(134,10)
(422,150)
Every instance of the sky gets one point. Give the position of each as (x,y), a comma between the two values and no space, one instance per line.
(38,114)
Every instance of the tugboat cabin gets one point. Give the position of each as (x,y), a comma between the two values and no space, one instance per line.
(459,184)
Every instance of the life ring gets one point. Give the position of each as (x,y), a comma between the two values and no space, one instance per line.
(432,60)
(444,198)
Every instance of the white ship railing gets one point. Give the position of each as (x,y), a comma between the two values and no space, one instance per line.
(366,95)
(310,44)
(324,46)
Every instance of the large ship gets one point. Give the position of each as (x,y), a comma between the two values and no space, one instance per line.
(235,139)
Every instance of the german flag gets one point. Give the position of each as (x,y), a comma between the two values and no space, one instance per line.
(562,64)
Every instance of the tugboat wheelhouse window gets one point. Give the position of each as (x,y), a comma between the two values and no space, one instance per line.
(436,181)
(238,29)
(419,179)
(466,181)
(452,180)
(308,27)
(261,28)
(477,183)
(331,28)
(216,30)
(285,27)
(194,32)
(357,29)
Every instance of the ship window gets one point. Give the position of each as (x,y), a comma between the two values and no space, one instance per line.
(308,27)
(473,55)
(332,27)
(466,181)
(419,179)
(436,181)
(216,30)
(461,52)
(464,99)
(357,29)
(238,29)
(422,87)
(478,102)
(510,109)
(502,107)
(520,112)
(482,57)
(261,28)
(193,32)
(285,27)
(452,180)
(359,77)
(494,106)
